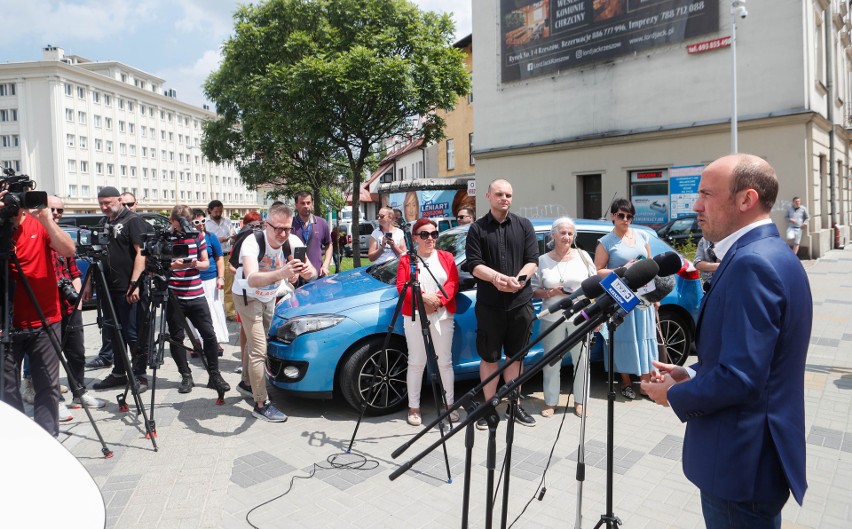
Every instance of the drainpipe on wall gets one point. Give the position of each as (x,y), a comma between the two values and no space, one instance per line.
(832,168)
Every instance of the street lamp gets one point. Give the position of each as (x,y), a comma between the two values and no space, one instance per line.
(738,9)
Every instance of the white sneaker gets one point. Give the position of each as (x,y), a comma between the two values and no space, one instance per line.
(27,390)
(89,401)
(64,414)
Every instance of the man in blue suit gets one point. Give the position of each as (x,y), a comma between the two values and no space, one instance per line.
(743,402)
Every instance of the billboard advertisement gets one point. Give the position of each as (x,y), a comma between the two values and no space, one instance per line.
(429,203)
(683,185)
(540,37)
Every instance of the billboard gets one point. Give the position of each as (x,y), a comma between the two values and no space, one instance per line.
(540,37)
(429,203)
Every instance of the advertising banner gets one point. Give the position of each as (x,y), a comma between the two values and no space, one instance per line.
(426,203)
(651,209)
(540,37)
(683,188)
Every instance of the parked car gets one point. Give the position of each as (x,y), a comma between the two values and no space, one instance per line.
(327,338)
(681,229)
(93,219)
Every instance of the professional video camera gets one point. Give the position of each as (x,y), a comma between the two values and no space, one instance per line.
(93,240)
(20,195)
(160,245)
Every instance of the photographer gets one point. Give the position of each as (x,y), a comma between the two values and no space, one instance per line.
(387,241)
(69,283)
(185,284)
(254,298)
(35,235)
(124,267)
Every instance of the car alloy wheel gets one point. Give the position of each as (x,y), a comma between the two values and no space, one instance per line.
(376,377)
(676,336)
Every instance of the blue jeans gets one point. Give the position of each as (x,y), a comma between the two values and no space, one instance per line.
(727,514)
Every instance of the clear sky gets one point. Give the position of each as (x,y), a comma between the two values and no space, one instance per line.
(177,40)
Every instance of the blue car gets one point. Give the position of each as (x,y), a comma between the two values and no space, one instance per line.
(327,338)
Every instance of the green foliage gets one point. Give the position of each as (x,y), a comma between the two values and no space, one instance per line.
(513,20)
(687,249)
(308,89)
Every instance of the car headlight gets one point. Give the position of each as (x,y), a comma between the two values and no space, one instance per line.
(295,327)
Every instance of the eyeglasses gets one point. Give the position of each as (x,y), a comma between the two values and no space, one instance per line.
(57,210)
(426,234)
(198,222)
(129,204)
(624,216)
(280,229)
(460,217)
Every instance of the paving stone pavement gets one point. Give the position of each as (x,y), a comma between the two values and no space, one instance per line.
(216,464)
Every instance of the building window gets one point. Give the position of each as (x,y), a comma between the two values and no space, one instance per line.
(171,135)
(96,119)
(122,148)
(72,190)
(85,191)
(124,78)
(120,103)
(108,123)
(84,166)
(130,106)
(123,170)
(107,100)
(68,89)
(470,146)
(133,172)
(99,168)
(132,150)
(96,97)
(72,166)
(81,117)
(110,169)
(83,142)
(131,128)
(11,114)
(69,114)
(163,135)
(109,146)
(142,129)
(7,89)
(451,155)
(121,125)
(98,144)
(10,140)
(81,92)
(69,140)
(144,152)
(144,173)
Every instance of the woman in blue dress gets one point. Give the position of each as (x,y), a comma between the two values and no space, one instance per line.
(635,338)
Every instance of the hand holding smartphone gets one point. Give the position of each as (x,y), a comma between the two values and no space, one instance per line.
(300,254)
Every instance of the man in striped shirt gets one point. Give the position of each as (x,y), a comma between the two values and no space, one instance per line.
(185,285)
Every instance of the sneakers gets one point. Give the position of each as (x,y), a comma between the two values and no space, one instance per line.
(64,414)
(521,416)
(97,363)
(482,424)
(143,383)
(88,400)
(186,384)
(27,390)
(269,413)
(111,381)
(217,382)
(245,390)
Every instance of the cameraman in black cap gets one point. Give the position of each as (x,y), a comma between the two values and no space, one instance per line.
(35,235)
(124,266)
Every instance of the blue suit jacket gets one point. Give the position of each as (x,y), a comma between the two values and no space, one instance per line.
(745,409)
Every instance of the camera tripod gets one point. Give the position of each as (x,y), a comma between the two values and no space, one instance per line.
(7,259)
(159,297)
(96,279)
(438,392)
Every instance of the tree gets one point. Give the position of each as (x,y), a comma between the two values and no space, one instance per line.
(328,79)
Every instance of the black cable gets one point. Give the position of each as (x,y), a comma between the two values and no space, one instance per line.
(359,463)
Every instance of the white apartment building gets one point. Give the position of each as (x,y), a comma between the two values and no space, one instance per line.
(75,126)
(580,102)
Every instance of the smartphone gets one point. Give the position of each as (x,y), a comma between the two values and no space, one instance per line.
(388,235)
(522,278)
(300,253)
(186,260)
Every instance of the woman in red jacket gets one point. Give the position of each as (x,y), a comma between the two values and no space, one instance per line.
(439,310)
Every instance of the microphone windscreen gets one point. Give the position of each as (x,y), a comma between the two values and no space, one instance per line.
(591,286)
(670,263)
(641,273)
(662,287)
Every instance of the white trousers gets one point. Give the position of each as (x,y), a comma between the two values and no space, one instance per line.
(442,338)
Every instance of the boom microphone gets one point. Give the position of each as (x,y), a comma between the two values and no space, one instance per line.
(637,275)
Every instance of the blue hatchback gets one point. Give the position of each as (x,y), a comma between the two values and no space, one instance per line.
(328,337)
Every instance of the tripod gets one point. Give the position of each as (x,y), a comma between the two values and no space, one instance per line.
(7,259)
(418,307)
(96,279)
(160,296)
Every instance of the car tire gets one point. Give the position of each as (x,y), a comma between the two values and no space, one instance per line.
(676,335)
(390,393)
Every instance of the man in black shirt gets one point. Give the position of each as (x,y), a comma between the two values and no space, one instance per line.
(502,254)
(124,265)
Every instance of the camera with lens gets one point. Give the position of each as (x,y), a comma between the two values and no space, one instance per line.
(160,245)
(68,292)
(20,194)
(93,239)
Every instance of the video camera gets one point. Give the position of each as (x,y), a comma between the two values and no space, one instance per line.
(20,194)
(160,245)
(93,239)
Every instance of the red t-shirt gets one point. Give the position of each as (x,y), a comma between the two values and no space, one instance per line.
(31,244)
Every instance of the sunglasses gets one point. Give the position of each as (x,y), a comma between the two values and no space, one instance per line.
(460,217)
(426,234)
(624,216)
(380,217)
(129,204)
(58,210)
(198,222)
(280,229)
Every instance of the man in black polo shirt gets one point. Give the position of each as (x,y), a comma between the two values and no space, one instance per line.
(124,265)
(502,254)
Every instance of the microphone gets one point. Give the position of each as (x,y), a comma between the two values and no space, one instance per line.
(637,275)
(670,263)
(590,288)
